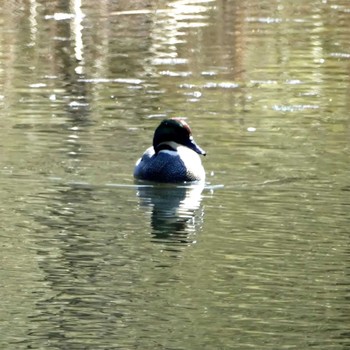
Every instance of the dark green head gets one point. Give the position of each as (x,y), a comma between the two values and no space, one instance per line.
(176,130)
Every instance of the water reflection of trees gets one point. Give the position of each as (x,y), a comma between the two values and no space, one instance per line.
(130,39)
(72,253)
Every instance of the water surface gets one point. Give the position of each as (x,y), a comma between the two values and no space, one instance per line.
(258,258)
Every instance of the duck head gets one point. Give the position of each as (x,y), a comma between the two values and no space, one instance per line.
(174,130)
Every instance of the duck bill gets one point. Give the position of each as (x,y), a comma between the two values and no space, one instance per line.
(192,144)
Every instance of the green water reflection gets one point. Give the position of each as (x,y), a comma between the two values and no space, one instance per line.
(259,258)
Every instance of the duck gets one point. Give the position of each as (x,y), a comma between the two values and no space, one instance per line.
(174,156)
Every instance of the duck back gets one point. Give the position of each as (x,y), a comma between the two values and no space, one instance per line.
(182,165)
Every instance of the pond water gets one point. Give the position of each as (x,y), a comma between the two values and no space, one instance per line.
(257,259)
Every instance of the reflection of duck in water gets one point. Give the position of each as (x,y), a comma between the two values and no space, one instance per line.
(176,213)
(173,156)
